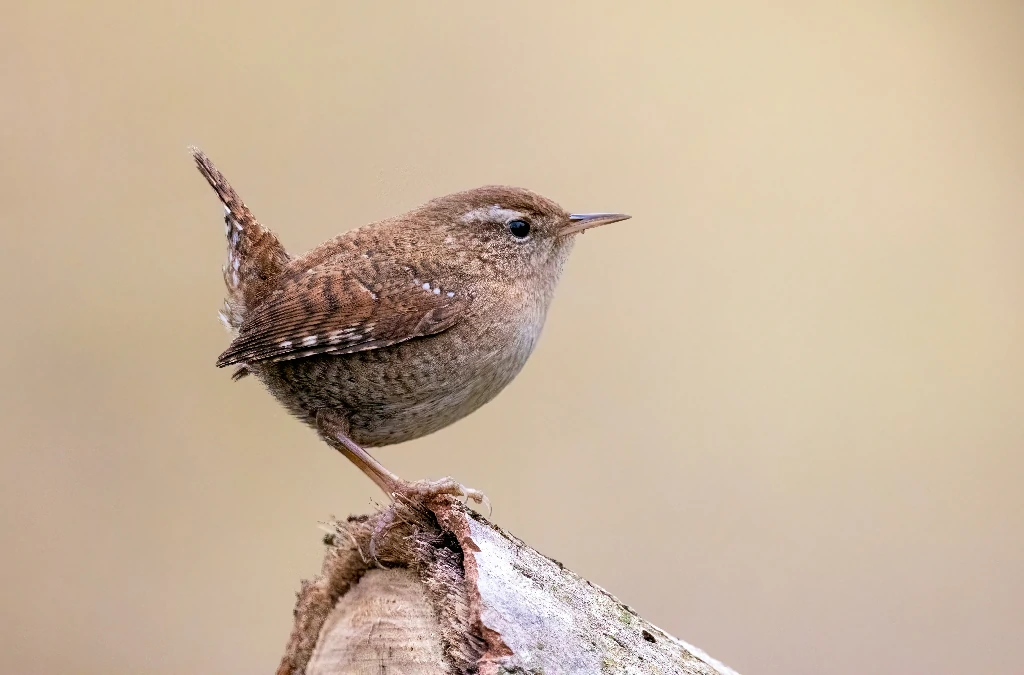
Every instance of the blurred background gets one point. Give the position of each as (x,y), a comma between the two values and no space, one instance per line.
(780,412)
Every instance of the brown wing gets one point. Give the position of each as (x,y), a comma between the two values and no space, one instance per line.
(330,311)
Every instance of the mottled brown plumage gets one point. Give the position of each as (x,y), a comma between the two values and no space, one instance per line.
(396,329)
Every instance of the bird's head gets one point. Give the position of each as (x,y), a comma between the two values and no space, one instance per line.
(512,230)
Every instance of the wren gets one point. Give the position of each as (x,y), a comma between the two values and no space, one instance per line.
(396,329)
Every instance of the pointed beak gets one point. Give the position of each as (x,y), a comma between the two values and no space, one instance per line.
(579,222)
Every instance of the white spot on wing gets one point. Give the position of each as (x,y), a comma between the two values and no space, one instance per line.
(451,294)
(426,287)
(309,341)
(437,291)
(367,289)
(286,344)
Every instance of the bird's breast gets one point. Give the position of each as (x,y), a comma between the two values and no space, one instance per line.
(416,387)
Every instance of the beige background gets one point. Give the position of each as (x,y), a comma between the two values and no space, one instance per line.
(780,412)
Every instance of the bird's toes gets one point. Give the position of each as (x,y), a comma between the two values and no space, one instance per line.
(384,523)
(425,490)
(479,498)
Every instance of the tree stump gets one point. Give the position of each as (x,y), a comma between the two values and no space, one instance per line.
(449,592)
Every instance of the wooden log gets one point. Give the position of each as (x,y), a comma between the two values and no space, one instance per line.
(449,592)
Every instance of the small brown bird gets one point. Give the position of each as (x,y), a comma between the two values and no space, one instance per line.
(396,329)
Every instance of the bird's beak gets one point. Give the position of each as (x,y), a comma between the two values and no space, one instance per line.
(584,221)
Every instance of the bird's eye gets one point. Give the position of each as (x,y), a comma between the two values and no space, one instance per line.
(519,228)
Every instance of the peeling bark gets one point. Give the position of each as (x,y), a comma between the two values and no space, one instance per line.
(452,593)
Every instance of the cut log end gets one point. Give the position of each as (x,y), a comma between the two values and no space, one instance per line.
(452,593)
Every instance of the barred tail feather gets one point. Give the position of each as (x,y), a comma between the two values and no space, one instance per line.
(256,257)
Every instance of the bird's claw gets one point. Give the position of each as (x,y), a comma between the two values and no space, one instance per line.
(424,490)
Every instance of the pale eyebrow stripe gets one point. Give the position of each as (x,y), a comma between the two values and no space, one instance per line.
(491,213)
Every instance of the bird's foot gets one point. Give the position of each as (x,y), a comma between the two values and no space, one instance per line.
(425,490)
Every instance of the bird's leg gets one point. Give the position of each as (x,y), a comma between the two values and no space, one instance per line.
(334,430)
